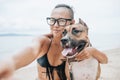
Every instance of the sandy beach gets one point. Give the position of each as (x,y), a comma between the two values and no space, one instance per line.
(109,71)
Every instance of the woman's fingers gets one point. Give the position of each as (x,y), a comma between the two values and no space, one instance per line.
(83,55)
(6,70)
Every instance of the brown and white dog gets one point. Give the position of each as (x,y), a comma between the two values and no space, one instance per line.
(74,40)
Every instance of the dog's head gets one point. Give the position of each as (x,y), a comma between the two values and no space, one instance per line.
(75,39)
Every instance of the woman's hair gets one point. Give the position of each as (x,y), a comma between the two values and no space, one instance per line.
(68,7)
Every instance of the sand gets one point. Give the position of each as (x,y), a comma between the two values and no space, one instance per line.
(109,71)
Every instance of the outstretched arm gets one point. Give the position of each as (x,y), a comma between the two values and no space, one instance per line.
(27,55)
(20,59)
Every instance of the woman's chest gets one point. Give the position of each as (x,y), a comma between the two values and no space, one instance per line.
(54,55)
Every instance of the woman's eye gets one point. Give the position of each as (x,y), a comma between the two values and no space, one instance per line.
(52,20)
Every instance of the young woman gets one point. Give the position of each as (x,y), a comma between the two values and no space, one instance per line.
(47,50)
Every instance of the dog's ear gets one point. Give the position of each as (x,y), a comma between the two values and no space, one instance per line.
(82,22)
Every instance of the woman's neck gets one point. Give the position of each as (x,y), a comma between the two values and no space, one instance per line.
(56,40)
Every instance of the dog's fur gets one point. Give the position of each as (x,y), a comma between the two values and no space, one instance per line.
(74,40)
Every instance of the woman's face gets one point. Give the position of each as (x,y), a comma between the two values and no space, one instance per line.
(60,18)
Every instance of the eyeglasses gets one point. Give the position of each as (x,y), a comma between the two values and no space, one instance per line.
(60,21)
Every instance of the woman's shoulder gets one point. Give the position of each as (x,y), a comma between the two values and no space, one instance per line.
(43,38)
(41,43)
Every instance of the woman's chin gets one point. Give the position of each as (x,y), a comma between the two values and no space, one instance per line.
(57,34)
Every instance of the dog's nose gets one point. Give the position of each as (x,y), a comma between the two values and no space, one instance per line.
(64,41)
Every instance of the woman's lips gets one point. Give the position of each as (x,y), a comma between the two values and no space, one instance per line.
(56,31)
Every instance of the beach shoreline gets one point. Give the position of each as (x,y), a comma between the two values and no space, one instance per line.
(109,71)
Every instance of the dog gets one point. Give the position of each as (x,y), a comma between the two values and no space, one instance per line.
(74,40)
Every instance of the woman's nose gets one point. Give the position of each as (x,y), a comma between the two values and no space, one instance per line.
(56,24)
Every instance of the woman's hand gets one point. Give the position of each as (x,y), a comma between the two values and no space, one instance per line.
(6,70)
(92,52)
(84,54)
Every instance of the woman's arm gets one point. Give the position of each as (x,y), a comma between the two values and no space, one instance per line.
(28,54)
(20,59)
(100,56)
(90,51)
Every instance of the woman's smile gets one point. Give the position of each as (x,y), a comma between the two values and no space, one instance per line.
(56,31)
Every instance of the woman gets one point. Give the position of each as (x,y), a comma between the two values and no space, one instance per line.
(47,50)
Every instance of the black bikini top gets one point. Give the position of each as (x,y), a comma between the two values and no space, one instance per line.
(43,61)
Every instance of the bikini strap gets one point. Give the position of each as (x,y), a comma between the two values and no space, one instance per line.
(49,46)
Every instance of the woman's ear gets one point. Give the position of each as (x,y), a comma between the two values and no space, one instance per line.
(72,22)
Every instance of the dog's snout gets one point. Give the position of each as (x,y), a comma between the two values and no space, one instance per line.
(64,41)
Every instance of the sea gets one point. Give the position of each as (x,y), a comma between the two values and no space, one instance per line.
(10,45)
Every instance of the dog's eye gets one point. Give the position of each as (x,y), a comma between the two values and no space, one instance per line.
(64,32)
(74,31)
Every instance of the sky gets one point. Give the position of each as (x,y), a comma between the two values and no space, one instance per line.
(29,16)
